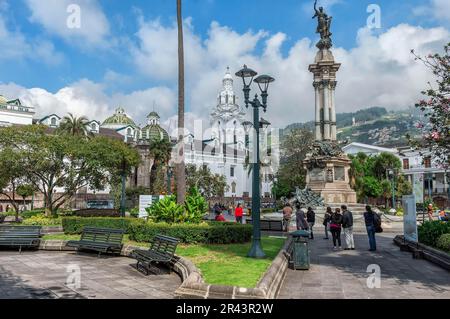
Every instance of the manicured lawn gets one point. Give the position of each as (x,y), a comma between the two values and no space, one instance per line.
(229,265)
(220,264)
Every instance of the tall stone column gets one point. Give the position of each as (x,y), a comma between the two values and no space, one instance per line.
(333,110)
(318,133)
(326,110)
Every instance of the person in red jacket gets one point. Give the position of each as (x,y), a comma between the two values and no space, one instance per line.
(220,218)
(238,213)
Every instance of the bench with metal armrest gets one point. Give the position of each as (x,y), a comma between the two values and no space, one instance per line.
(162,250)
(20,236)
(102,240)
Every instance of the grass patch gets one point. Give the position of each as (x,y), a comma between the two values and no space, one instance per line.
(229,265)
(220,264)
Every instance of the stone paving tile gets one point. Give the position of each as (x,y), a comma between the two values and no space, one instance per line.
(37,274)
(343,274)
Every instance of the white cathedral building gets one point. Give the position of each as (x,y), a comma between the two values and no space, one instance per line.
(226,151)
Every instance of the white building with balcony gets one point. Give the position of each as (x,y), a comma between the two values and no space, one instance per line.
(13,112)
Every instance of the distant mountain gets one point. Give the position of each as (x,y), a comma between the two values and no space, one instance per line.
(375,126)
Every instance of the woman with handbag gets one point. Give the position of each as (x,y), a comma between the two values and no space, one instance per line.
(335,228)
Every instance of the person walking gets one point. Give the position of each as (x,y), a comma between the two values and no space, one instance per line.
(302,224)
(326,221)
(238,213)
(335,228)
(287,215)
(347,225)
(311,219)
(430,212)
(371,220)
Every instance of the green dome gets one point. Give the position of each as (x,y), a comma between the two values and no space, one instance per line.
(155,133)
(119,117)
(153,114)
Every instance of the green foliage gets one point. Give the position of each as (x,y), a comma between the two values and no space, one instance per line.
(210,185)
(72,125)
(42,220)
(31,213)
(70,162)
(430,232)
(295,144)
(195,206)
(211,232)
(166,210)
(435,107)
(369,176)
(444,242)
(134,212)
(75,225)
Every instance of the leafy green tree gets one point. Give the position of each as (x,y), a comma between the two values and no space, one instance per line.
(209,185)
(75,126)
(371,186)
(12,175)
(436,107)
(60,165)
(291,174)
(25,190)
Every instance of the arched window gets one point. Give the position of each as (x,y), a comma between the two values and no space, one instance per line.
(94,127)
(53,121)
(129,132)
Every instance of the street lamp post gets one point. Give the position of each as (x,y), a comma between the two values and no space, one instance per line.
(263,82)
(169,180)
(123,194)
(392,176)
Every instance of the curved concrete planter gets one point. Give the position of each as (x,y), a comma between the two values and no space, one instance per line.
(194,286)
(419,251)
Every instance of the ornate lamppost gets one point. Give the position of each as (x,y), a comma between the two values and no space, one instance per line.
(263,82)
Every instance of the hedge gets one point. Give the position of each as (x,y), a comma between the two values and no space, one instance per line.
(444,242)
(207,233)
(142,231)
(75,225)
(96,213)
(430,232)
(41,220)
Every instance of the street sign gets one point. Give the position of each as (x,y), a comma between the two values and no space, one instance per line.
(410,218)
(146,201)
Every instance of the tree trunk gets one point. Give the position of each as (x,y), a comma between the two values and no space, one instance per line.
(180,166)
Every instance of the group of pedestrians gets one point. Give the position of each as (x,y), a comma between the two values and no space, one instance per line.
(337,222)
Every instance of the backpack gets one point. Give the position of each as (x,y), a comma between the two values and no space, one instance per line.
(377,223)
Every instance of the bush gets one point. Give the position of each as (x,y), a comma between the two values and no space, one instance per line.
(31,213)
(430,232)
(96,213)
(444,242)
(75,225)
(207,233)
(134,212)
(41,220)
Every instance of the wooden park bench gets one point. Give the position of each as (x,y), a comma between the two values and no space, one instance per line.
(162,250)
(102,240)
(20,236)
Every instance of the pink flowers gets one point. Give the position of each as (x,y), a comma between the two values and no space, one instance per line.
(435,135)
(419,125)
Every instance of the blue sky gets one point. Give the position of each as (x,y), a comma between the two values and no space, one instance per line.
(113,57)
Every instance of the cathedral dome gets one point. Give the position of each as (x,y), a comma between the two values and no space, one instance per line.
(3,100)
(153,131)
(119,118)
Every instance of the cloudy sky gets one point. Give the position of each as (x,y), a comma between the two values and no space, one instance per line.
(125,53)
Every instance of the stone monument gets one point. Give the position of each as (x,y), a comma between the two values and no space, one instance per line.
(327,166)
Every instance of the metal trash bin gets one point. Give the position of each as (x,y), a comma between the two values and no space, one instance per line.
(300,250)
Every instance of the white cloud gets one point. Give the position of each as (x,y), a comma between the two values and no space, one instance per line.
(53,16)
(17,46)
(89,99)
(438,9)
(380,70)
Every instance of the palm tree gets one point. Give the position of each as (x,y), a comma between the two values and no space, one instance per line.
(180,166)
(75,125)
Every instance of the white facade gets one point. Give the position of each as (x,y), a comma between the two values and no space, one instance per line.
(355,148)
(14,113)
(226,151)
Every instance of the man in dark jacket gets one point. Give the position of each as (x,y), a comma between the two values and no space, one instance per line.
(347,225)
(311,219)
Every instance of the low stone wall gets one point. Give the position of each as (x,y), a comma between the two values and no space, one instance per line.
(268,287)
(420,251)
(194,286)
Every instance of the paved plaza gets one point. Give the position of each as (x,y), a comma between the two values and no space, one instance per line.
(343,274)
(38,274)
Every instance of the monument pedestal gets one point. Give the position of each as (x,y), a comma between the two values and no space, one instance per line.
(329,177)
